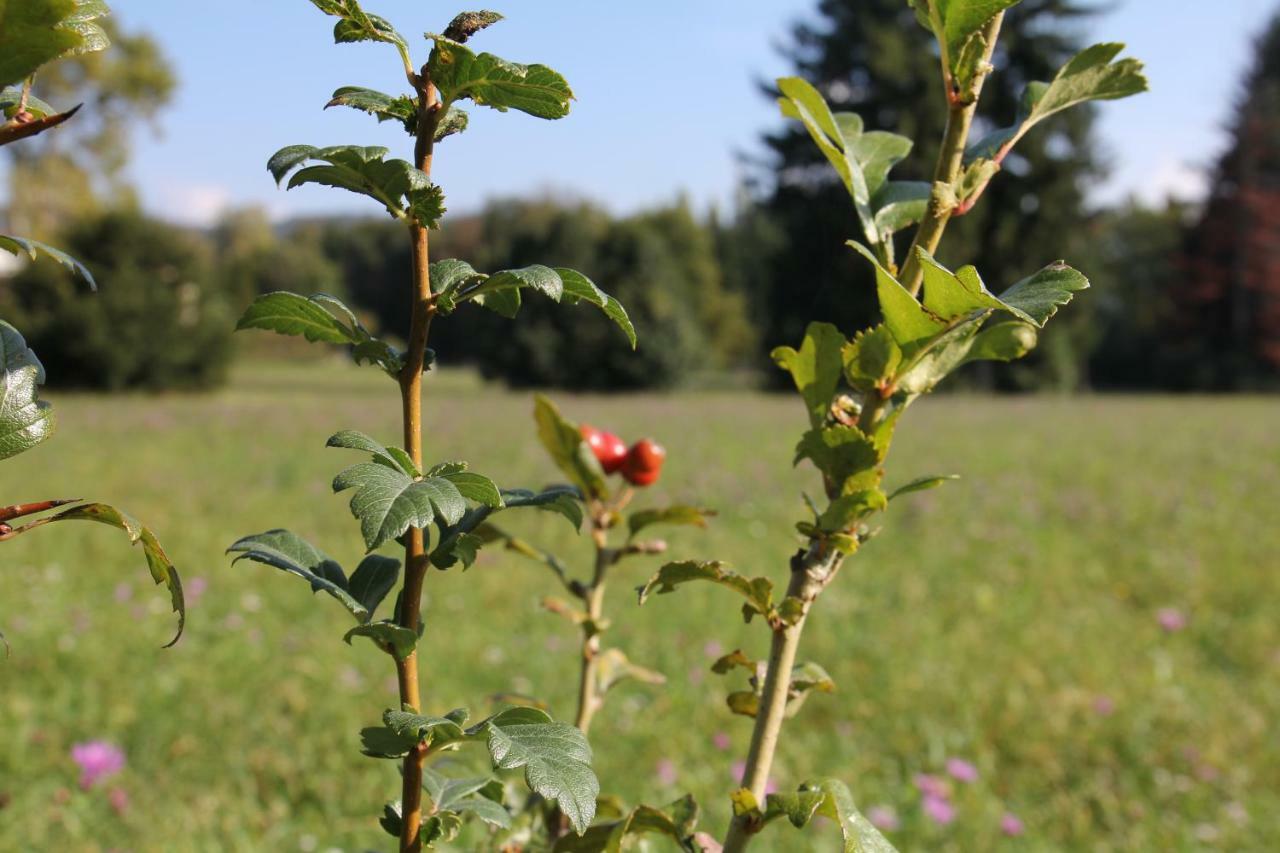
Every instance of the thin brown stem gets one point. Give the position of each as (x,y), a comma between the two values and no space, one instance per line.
(415,558)
(942,203)
(811,572)
(589,699)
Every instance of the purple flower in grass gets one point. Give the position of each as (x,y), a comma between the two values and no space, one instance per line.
(1011,824)
(97,760)
(1171,619)
(666,772)
(961,770)
(931,786)
(884,818)
(939,810)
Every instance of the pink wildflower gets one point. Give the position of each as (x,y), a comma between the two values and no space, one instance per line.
(195,588)
(1171,619)
(884,818)
(1103,706)
(666,771)
(119,799)
(721,741)
(1011,825)
(939,810)
(98,760)
(961,770)
(931,786)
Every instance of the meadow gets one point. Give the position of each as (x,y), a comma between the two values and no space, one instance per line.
(1088,616)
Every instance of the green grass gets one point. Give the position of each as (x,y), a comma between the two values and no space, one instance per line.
(985,622)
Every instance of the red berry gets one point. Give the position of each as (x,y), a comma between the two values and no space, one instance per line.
(608,448)
(644,462)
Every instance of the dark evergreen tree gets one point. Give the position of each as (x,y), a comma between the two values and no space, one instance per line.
(872,58)
(1227,333)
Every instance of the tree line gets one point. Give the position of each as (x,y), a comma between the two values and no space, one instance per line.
(1186,296)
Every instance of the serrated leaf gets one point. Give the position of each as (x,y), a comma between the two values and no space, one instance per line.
(871,359)
(676,822)
(434,730)
(321,319)
(25,419)
(847,457)
(373,579)
(291,553)
(500,292)
(949,295)
(388,502)
(906,318)
(815,368)
(450,276)
(1040,295)
(957,25)
(921,484)
(757,591)
(564,443)
(356,25)
(399,640)
(400,108)
(391,821)
(383,742)
(459,542)
(691,516)
(32,33)
(33,249)
(845,511)
(491,81)
(555,756)
(453,121)
(404,190)
(392,457)
(1093,74)
(579,288)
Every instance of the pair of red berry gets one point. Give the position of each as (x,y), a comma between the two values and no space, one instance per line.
(639,464)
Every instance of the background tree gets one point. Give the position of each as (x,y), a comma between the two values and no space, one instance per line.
(1228,296)
(79,170)
(865,56)
(160,320)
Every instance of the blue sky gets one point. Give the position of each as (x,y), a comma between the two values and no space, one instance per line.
(666,97)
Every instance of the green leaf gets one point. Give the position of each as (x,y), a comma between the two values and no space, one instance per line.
(491,81)
(564,443)
(757,591)
(815,368)
(957,25)
(906,318)
(1039,295)
(899,205)
(321,319)
(1003,342)
(404,190)
(383,742)
(392,822)
(676,822)
(921,484)
(34,32)
(860,836)
(383,107)
(951,295)
(500,292)
(291,553)
(11,100)
(1093,74)
(480,796)
(388,502)
(736,658)
(450,276)
(798,807)
(392,457)
(434,731)
(33,249)
(458,542)
(466,24)
(453,121)
(25,419)
(387,635)
(846,510)
(158,563)
(847,457)
(691,516)
(356,25)
(555,756)
(871,359)
(373,579)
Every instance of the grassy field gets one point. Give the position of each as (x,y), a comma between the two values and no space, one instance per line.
(1010,619)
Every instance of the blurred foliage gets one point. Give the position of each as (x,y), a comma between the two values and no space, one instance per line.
(160,320)
(73,172)
(1227,297)
(865,57)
